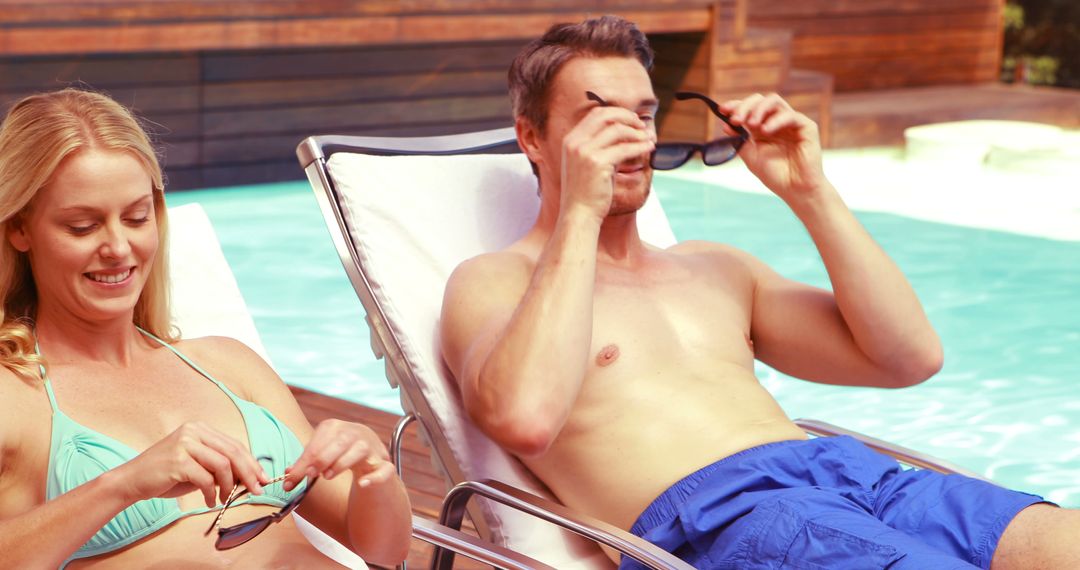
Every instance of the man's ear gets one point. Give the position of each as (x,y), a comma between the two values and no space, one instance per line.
(16,233)
(528,139)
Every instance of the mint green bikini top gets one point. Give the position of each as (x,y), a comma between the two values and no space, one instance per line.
(78,454)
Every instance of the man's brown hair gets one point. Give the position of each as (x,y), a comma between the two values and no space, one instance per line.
(534,69)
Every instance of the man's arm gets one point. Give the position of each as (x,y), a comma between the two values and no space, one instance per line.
(871,330)
(517,334)
(517,338)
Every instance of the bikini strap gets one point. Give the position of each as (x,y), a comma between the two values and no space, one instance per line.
(187,361)
(48,390)
(45,377)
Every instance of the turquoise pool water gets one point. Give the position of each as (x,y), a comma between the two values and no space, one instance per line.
(1007,308)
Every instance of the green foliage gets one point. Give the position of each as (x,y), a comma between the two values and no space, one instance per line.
(1042,42)
(1014,17)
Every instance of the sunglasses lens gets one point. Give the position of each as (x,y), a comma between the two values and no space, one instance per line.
(721,151)
(236,535)
(667,156)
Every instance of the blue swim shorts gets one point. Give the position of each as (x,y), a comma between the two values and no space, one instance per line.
(827,503)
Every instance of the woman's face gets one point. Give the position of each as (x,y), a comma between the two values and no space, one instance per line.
(91,235)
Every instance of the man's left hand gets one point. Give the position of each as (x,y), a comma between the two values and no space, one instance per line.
(784,150)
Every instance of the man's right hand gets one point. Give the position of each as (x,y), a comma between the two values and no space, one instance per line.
(606,137)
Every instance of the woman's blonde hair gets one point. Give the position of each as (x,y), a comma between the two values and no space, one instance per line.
(37,135)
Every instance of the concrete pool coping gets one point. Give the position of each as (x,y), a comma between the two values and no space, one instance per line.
(952,173)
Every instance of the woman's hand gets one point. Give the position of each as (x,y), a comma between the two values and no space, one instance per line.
(195,456)
(337,446)
(784,150)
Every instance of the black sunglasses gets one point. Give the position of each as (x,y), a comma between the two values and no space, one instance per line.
(237,534)
(671,155)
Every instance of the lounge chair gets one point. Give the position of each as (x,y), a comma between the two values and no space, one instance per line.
(403,213)
(206,300)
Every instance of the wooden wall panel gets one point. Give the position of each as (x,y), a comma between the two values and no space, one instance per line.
(873,44)
(256,107)
(233,117)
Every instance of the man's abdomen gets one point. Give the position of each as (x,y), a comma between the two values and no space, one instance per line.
(617,454)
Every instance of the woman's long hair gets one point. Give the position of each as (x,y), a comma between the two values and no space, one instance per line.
(39,133)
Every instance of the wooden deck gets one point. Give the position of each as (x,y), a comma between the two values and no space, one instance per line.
(879,117)
(426,486)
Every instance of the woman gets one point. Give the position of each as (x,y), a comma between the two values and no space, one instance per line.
(119,442)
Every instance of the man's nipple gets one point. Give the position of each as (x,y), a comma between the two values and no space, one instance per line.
(607,355)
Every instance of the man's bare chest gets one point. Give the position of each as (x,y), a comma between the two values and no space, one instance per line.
(672,324)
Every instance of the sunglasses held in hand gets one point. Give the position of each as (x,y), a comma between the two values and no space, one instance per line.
(671,155)
(237,534)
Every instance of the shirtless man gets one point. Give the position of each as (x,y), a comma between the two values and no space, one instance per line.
(622,374)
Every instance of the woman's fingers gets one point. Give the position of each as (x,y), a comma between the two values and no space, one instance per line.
(383,472)
(335,447)
(195,456)
(352,456)
(202,480)
(218,466)
(229,460)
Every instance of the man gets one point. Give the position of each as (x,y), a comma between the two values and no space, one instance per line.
(622,374)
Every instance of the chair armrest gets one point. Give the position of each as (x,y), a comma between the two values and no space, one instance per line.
(444,537)
(900,453)
(453,512)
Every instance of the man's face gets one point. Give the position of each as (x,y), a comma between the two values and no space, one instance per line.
(620,81)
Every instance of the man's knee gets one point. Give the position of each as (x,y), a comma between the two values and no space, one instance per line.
(1040,536)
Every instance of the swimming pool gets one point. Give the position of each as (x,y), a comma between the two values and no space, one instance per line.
(1005,304)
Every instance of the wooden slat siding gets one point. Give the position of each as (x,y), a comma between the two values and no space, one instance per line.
(235,116)
(426,486)
(673,73)
(881,44)
(259,33)
(349,62)
(100,71)
(257,107)
(128,11)
(839,8)
(143,99)
(243,94)
(861,45)
(354,117)
(811,93)
(888,73)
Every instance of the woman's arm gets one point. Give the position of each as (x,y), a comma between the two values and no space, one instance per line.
(359,500)
(46,535)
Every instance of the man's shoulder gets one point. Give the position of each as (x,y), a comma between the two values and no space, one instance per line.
(720,251)
(482,288)
(499,266)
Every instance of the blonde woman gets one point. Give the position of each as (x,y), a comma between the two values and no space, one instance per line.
(119,443)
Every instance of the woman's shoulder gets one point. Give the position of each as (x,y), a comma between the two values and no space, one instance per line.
(23,404)
(16,391)
(228,360)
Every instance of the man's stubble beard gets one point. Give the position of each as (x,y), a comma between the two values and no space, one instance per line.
(628,201)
